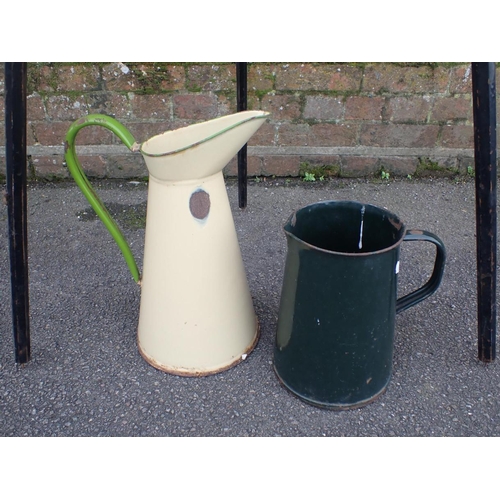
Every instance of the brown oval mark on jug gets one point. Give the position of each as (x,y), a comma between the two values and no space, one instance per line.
(199,204)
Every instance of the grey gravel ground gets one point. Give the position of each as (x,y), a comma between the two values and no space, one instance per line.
(86,377)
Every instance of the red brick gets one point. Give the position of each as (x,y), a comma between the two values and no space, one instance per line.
(212,78)
(77,77)
(327,134)
(54,134)
(144,77)
(457,136)
(409,109)
(126,166)
(321,134)
(231,169)
(66,77)
(63,107)
(195,106)
(96,166)
(253,102)
(43,76)
(264,136)
(461,80)
(120,77)
(260,76)
(296,76)
(30,133)
(118,106)
(358,166)
(50,166)
(282,166)
(292,134)
(331,162)
(174,78)
(35,110)
(96,135)
(364,108)
(410,136)
(449,109)
(157,107)
(227,105)
(322,107)
(144,131)
(345,78)
(254,167)
(282,107)
(308,76)
(395,78)
(93,165)
(107,103)
(48,134)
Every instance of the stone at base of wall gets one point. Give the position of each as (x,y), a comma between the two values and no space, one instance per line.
(117,162)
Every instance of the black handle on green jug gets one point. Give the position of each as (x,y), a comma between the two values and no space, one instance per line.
(432,285)
(83,183)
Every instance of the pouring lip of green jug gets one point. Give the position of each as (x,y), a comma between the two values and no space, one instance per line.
(262,115)
(392,218)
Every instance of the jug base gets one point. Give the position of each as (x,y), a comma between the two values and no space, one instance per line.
(194,372)
(331,406)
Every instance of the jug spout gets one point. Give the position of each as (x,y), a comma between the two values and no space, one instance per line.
(200,150)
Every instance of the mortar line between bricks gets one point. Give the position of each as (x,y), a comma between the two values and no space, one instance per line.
(357,151)
(274,151)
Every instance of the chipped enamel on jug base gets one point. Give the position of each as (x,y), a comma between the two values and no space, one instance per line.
(196,313)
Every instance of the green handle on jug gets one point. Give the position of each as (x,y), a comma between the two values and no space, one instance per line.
(83,183)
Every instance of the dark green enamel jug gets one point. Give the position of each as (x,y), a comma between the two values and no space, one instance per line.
(335,334)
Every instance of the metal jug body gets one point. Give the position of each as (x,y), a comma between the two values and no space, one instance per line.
(196,312)
(335,333)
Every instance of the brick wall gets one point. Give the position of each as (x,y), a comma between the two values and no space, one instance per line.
(344,119)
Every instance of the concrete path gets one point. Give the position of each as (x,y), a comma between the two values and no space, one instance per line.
(86,377)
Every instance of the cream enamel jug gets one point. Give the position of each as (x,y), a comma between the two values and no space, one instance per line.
(196,313)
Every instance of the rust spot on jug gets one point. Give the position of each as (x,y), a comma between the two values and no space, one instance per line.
(199,204)
(396,223)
